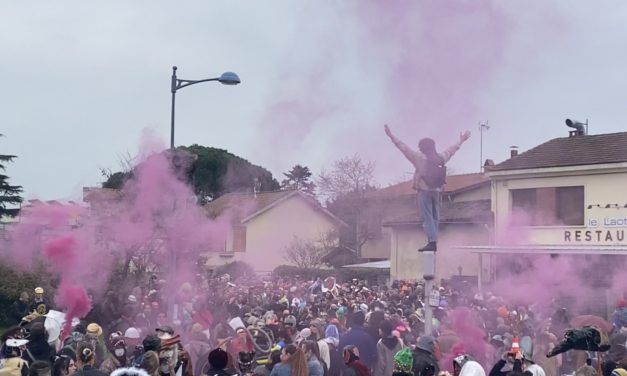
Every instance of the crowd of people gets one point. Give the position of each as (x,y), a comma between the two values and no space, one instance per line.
(294,326)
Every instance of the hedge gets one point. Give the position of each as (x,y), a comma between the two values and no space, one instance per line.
(341,274)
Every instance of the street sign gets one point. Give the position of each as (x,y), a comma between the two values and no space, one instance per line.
(434,298)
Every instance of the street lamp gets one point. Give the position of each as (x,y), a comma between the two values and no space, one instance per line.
(227,78)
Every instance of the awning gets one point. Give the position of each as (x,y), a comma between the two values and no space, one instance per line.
(549,249)
(370,265)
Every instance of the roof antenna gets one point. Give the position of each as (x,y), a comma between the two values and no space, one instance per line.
(256,187)
(482,126)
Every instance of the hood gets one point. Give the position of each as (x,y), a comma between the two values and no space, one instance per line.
(426,343)
(472,368)
(390,342)
(535,370)
(332,332)
(129,372)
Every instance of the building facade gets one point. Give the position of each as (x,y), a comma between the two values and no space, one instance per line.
(465,218)
(568,197)
(263,225)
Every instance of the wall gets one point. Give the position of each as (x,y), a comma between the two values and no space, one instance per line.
(599,189)
(405,260)
(271,232)
(383,209)
(395,207)
(476,194)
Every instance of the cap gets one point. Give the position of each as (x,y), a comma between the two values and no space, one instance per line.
(131,333)
(132,299)
(39,290)
(165,329)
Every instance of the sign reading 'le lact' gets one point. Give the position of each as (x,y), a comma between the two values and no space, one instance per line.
(606,230)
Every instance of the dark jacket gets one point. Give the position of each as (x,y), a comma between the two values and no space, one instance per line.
(358,337)
(425,363)
(19,310)
(356,368)
(38,350)
(221,372)
(89,371)
(516,371)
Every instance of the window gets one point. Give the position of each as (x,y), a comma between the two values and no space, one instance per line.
(553,206)
(239,239)
(570,205)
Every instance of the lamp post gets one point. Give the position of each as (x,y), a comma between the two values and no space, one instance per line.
(227,78)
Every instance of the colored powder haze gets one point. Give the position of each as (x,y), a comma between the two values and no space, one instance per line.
(155,213)
(436,57)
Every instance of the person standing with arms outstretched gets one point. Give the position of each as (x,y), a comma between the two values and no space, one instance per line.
(429,177)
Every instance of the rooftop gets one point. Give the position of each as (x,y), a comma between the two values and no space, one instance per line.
(570,151)
(453,184)
(245,206)
(450,212)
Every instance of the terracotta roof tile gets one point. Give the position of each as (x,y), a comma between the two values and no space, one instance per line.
(465,211)
(571,151)
(453,183)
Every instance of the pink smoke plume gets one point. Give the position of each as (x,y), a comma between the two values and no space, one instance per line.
(154,216)
(472,339)
(73,298)
(61,251)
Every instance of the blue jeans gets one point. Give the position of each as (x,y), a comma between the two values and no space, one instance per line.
(429,207)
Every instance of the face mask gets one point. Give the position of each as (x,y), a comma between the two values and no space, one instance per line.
(164,365)
(119,353)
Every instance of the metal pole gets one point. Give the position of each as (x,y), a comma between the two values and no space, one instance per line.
(428,260)
(482,127)
(173,90)
(173,311)
(428,308)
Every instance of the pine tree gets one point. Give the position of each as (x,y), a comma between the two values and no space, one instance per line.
(298,178)
(9,194)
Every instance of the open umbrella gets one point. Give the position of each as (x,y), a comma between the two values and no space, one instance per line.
(591,320)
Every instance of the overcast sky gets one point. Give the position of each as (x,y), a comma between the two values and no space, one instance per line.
(82,80)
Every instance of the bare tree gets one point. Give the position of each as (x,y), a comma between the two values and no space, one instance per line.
(343,187)
(348,175)
(309,253)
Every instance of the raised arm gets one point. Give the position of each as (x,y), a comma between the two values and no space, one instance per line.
(448,153)
(408,152)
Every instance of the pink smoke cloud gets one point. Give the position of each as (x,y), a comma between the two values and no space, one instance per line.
(472,339)
(154,216)
(74,300)
(61,251)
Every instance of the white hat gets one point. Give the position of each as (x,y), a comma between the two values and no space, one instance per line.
(302,335)
(132,299)
(363,307)
(132,333)
(12,342)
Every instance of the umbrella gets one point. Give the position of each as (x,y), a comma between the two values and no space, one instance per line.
(591,320)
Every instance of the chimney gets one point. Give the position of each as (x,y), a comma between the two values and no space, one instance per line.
(513,151)
(580,130)
(488,164)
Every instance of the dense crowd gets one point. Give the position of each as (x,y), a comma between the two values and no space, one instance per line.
(293,326)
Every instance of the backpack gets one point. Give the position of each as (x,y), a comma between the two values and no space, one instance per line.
(435,171)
